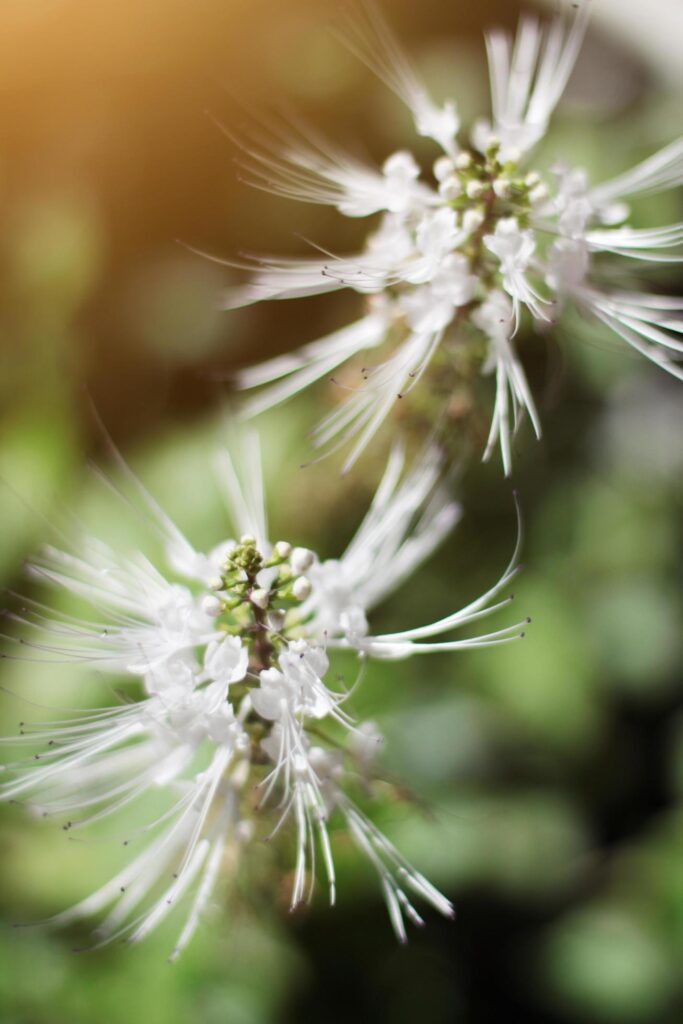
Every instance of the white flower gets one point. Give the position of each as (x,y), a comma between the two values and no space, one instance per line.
(496,319)
(486,223)
(407,521)
(301,588)
(151,620)
(409,518)
(260,597)
(431,308)
(226,660)
(514,248)
(105,761)
(301,560)
(296,688)
(225,692)
(572,204)
(370,38)
(314,791)
(212,606)
(436,237)
(651,324)
(401,172)
(528,80)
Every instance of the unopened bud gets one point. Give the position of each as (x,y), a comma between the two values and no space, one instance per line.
(539,194)
(463,160)
(282,549)
(301,560)
(443,168)
(215,583)
(475,189)
(260,598)
(212,606)
(301,588)
(472,220)
(248,539)
(503,188)
(276,619)
(451,188)
(533,178)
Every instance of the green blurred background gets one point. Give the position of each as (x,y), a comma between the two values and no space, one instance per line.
(550,773)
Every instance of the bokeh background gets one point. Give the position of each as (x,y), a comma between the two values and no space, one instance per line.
(550,774)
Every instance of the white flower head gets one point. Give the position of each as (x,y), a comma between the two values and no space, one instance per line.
(486,222)
(241,697)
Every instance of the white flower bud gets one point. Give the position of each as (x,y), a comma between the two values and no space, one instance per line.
(471,220)
(301,588)
(301,560)
(260,598)
(539,194)
(443,168)
(451,188)
(533,178)
(463,160)
(247,538)
(212,606)
(215,583)
(276,619)
(282,549)
(513,155)
(475,189)
(502,187)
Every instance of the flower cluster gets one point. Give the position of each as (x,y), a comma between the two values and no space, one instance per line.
(233,725)
(230,649)
(455,260)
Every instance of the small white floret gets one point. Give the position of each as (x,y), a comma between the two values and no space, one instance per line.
(475,189)
(472,220)
(212,606)
(502,187)
(443,168)
(301,560)
(463,160)
(451,188)
(301,588)
(215,583)
(539,194)
(276,619)
(260,598)
(283,549)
